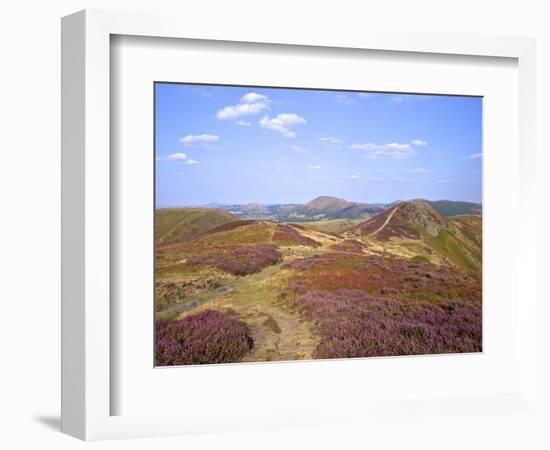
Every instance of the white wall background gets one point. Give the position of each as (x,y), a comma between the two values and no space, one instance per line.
(29,224)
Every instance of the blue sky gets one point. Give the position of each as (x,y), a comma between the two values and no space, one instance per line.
(237,145)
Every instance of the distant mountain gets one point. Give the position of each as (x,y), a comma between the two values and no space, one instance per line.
(254,209)
(418,227)
(320,208)
(341,209)
(178,224)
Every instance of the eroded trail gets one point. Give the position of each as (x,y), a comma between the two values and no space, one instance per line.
(279,332)
(390,215)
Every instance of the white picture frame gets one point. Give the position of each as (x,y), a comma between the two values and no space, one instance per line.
(86,239)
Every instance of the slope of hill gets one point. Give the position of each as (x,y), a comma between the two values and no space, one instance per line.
(417,228)
(332,226)
(448,208)
(177,224)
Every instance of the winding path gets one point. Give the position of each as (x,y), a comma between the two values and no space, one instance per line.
(390,215)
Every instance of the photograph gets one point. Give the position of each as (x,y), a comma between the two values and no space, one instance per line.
(312,224)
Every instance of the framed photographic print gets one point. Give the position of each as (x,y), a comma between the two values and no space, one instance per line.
(275,241)
(293,215)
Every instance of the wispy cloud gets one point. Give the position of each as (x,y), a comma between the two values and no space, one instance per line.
(419,170)
(315,167)
(192,139)
(173,157)
(344,99)
(365,94)
(355,177)
(298,149)
(282,123)
(393,150)
(202,92)
(243,123)
(419,142)
(331,140)
(251,103)
(476,156)
(178,157)
(406,98)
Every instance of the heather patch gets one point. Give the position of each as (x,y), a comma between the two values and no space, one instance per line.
(287,235)
(208,337)
(391,276)
(353,324)
(243,260)
(309,262)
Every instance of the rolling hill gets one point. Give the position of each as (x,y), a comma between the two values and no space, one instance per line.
(419,228)
(449,208)
(178,224)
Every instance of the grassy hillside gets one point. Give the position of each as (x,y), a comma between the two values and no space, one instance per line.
(178,224)
(416,228)
(405,282)
(335,226)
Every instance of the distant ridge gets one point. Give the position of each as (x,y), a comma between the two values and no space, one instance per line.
(449,207)
(333,206)
(326,207)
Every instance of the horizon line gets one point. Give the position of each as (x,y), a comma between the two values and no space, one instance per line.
(213,204)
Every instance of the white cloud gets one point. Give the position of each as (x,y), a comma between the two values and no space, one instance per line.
(392,150)
(355,177)
(173,157)
(419,142)
(298,149)
(315,167)
(232,112)
(191,139)
(331,140)
(282,123)
(243,123)
(191,161)
(419,170)
(251,103)
(252,97)
(476,156)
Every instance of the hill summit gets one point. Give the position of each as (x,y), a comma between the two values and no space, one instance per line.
(405,220)
(416,224)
